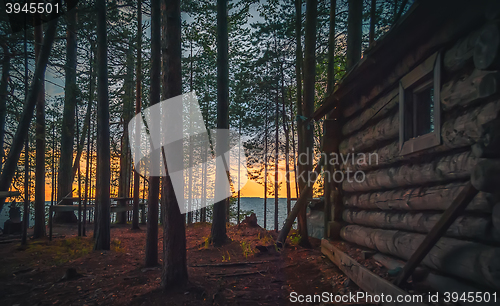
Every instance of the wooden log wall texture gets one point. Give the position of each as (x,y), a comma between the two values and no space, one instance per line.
(462,131)
(467,129)
(487,48)
(486,176)
(466,226)
(447,168)
(489,144)
(479,84)
(495,216)
(436,198)
(385,129)
(383,106)
(468,260)
(457,56)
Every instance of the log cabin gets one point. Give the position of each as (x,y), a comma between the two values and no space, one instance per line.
(424,99)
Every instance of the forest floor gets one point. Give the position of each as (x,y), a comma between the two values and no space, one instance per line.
(38,273)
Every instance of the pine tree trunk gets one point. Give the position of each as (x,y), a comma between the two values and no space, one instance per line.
(239,175)
(276,162)
(103,173)
(191,148)
(27,115)
(330,186)
(174,271)
(39,229)
(88,166)
(218,234)
(294,151)
(125,162)
(308,105)
(4,82)
(65,179)
(354,33)
(265,167)
(373,21)
(287,141)
(138,73)
(302,148)
(151,259)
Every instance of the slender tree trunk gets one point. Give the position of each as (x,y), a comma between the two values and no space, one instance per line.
(53,170)
(174,237)
(354,32)
(219,216)
(239,176)
(302,148)
(87,169)
(265,167)
(308,106)
(93,181)
(26,218)
(4,82)
(276,162)
(154,181)
(78,178)
(138,73)
(294,152)
(287,140)
(39,229)
(373,21)
(103,173)
(88,166)
(23,127)
(330,186)
(203,217)
(125,162)
(65,179)
(190,171)
(26,215)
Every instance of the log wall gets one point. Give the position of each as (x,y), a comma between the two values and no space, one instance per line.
(391,205)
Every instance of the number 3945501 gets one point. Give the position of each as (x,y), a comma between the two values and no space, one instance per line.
(31,8)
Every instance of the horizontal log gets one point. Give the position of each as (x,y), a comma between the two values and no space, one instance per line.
(479,84)
(487,48)
(457,56)
(451,167)
(468,227)
(489,144)
(486,176)
(385,129)
(383,106)
(495,216)
(436,198)
(468,128)
(464,259)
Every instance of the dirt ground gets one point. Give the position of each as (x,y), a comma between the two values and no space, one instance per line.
(38,274)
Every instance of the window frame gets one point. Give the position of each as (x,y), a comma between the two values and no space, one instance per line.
(407,85)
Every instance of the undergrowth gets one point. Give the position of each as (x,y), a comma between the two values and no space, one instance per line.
(62,251)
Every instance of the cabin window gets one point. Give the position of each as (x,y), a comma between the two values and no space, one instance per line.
(419,106)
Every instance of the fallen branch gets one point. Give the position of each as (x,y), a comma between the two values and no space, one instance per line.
(240,274)
(222,264)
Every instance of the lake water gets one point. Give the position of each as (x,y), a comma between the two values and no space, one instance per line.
(246,204)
